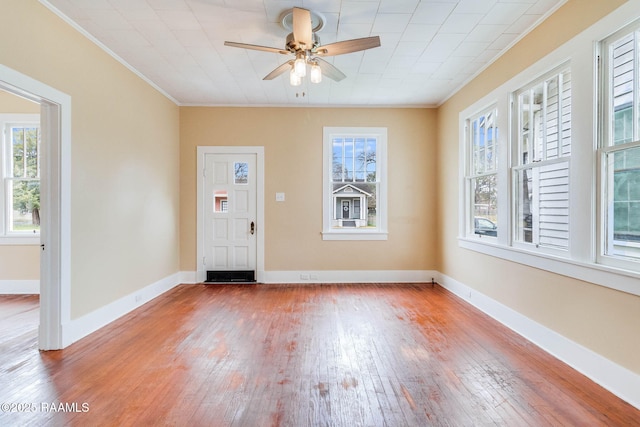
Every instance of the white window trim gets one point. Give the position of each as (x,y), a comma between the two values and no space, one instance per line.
(329,233)
(6,238)
(584,199)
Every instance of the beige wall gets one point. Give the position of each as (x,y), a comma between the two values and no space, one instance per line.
(603,320)
(292,138)
(10,103)
(18,262)
(124,152)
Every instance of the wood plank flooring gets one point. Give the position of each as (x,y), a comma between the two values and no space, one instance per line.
(298,355)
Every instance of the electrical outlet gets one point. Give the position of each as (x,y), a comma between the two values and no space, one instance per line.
(313,277)
(304,277)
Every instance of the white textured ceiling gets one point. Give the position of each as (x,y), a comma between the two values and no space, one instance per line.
(429,48)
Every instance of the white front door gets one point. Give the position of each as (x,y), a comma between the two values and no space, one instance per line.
(230,221)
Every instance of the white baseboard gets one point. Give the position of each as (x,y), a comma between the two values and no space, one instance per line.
(91,322)
(20,287)
(188,277)
(348,276)
(619,380)
(334,276)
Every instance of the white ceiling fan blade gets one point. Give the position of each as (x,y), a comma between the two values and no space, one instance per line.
(302,32)
(279,70)
(257,47)
(329,70)
(348,46)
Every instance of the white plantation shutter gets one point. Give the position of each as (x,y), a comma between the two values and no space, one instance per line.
(542,177)
(623,68)
(552,118)
(565,115)
(554,205)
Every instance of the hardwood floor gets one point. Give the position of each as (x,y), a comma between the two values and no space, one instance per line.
(308,355)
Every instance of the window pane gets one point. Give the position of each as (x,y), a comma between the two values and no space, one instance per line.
(623,98)
(241,173)
(354,186)
(624,179)
(220,201)
(360,159)
(24,206)
(354,205)
(31,152)
(524,199)
(17,137)
(337,160)
(545,119)
(483,144)
(623,124)
(370,160)
(347,165)
(552,119)
(24,151)
(485,205)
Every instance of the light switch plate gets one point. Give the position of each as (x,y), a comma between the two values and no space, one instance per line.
(279,197)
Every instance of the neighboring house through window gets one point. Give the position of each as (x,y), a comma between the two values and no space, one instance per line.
(20,192)
(354,176)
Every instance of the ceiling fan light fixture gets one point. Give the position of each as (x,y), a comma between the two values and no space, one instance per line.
(294,79)
(300,66)
(316,73)
(304,44)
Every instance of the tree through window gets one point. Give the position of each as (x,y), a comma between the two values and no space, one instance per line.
(22,178)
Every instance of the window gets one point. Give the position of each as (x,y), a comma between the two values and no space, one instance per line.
(620,145)
(20,192)
(568,184)
(354,183)
(481,180)
(541,173)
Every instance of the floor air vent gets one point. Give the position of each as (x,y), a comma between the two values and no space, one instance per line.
(242,276)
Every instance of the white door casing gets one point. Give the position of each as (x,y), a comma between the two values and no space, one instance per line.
(230,212)
(55,235)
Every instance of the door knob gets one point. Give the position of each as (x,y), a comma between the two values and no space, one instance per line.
(253,227)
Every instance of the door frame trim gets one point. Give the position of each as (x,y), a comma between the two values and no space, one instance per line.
(202,152)
(55,193)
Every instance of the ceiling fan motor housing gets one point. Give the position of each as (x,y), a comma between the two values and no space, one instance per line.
(294,47)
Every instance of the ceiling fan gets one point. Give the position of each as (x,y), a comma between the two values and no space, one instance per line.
(304,44)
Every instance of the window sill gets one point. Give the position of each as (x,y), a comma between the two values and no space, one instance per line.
(352,235)
(610,277)
(19,240)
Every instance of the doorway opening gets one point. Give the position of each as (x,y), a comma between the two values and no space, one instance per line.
(55,130)
(19,220)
